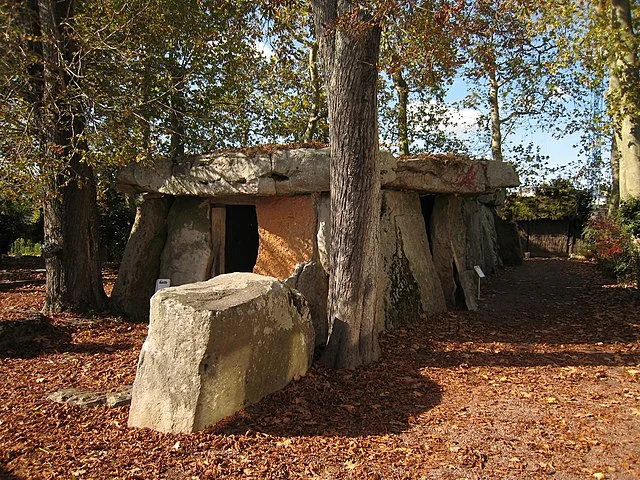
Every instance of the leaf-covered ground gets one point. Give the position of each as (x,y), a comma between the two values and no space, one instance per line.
(542,382)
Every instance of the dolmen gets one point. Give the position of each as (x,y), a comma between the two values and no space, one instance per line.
(243,238)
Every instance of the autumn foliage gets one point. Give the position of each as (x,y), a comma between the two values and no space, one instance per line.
(612,242)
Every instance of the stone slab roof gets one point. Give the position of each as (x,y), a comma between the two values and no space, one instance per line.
(306,170)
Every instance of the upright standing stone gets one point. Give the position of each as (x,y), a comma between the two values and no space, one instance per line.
(509,248)
(214,347)
(482,243)
(187,256)
(312,281)
(449,242)
(140,263)
(409,283)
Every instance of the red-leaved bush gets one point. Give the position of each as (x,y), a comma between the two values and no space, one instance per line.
(612,245)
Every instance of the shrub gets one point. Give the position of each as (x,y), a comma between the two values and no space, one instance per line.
(17,219)
(629,214)
(25,246)
(613,245)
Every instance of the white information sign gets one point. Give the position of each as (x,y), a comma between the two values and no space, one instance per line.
(479,271)
(162,283)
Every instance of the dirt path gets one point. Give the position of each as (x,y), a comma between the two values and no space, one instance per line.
(548,375)
(542,382)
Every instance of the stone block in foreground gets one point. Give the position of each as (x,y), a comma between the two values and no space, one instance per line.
(214,347)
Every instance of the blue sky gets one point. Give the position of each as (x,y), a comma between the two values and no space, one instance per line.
(561,151)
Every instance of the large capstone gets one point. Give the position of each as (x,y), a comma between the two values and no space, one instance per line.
(214,347)
(285,172)
(452,174)
(237,174)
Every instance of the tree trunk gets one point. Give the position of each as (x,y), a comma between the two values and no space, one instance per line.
(614,195)
(494,107)
(74,280)
(402,89)
(314,80)
(145,112)
(176,148)
(628,137)
(350,63)
(178,109)
(626,75)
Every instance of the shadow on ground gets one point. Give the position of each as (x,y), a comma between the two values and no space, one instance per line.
(21,284)
(550,312)
(94,348)
(551,302)
(35,334)
(365,401)
(30,336)
(59,342)
(530,359)
(5,475)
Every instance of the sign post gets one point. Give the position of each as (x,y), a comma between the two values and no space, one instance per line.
(480,276)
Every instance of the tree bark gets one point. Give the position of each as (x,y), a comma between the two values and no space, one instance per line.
(625,78)
(402,90)
(145,113)
(614,195)
(494,107)
(74,280)
(350,53)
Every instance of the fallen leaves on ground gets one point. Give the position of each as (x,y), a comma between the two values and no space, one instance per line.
(541,382)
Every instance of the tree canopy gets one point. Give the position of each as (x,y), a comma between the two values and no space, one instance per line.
(87,86)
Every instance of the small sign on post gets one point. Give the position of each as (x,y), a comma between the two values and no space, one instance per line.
(480,276)
(162,283)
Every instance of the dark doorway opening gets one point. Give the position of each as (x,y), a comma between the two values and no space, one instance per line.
(426,205)
(241,243)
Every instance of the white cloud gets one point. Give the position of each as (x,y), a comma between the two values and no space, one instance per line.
(458,121)
(463,120)
(265,50)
